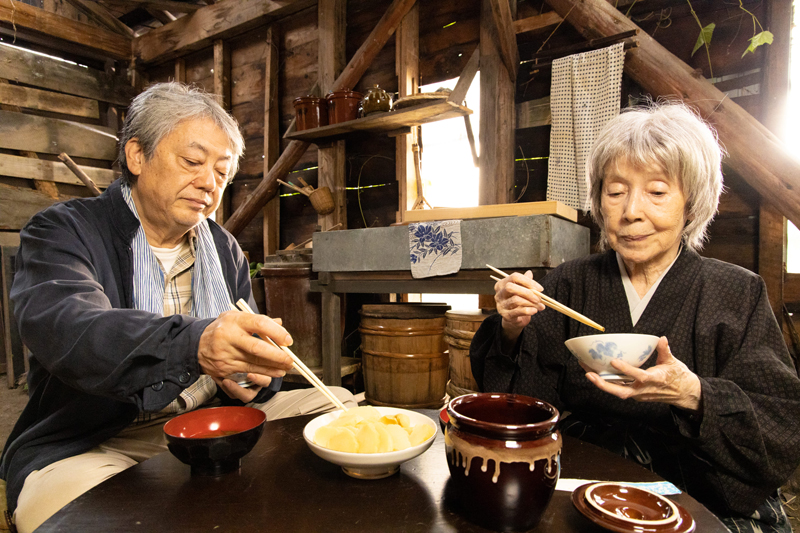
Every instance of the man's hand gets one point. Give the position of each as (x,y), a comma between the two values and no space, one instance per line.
(227,346)
(669,381)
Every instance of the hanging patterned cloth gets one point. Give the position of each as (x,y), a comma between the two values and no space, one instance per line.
(584,96)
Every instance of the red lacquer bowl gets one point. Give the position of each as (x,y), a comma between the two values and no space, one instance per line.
(213,441)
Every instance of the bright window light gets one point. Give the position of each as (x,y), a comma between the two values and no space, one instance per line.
(449,175)
(792,126)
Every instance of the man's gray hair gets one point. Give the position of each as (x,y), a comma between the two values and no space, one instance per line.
(154,113)
(673,137)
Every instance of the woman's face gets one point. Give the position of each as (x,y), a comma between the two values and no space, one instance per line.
(644,212)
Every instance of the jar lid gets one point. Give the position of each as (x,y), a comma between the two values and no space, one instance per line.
(308,100)
(345,93)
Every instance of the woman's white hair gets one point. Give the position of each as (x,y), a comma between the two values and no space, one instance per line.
(154,113)
(673,137)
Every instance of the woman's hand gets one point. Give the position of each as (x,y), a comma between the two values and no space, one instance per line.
(516,303)
(669,381)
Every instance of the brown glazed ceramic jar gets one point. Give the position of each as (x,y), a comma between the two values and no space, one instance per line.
(311,112)
(375,100)
(504,455)
(343,106)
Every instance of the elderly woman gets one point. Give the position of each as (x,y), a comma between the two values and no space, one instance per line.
(716,410)
(124,301)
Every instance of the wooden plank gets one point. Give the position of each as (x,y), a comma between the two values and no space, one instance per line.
(97,12)
(18,14)
(349,77)
(506,36)
(180,70)
(384,122)
(222,72)
(30,68)
(18,205)
(465,78)
(167,5)
(331,159)
(545,21)
(272,214)
(407,67)
(218,21)
(550,207)
(534,113)
(497,132)
(53,136)
(754,152)
(31,98)
(331,339)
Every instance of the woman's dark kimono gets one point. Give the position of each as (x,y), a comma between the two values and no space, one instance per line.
(717,319)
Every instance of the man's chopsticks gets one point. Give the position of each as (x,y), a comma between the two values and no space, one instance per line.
(299,365)
(554,304)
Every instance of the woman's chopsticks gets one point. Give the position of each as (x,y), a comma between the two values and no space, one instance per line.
(299,365)
(554,304)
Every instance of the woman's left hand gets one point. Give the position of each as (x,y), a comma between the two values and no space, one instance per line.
(669,381)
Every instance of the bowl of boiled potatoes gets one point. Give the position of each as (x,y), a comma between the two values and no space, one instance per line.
(370,442)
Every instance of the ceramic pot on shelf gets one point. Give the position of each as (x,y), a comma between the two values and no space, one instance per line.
(375,100)
(343,105)
(504,455)
(311,112)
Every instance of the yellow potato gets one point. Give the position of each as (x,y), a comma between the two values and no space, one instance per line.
(420,434)
(364,430)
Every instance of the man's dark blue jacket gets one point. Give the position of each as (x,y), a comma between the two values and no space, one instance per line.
(96,362)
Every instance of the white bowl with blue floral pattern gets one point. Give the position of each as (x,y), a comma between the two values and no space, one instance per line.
(597,351)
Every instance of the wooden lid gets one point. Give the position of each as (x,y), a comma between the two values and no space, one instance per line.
(472,315)
(404,310)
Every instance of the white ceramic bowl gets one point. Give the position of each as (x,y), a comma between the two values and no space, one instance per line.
(597,351)
(369,465)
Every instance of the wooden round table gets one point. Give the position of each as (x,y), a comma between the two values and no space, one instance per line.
(283,486)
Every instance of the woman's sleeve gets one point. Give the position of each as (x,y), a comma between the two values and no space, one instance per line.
(74,331)
(750,425)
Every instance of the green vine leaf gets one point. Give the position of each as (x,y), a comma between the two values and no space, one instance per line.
(765,37)
(705,37)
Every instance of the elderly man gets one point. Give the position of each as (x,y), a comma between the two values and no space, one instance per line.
(124,301)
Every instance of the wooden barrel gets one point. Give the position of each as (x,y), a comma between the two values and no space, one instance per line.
(288,296)
(405,357)
(460,328)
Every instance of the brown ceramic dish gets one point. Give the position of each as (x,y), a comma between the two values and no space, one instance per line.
(683,524)
(503,452)
(631,504)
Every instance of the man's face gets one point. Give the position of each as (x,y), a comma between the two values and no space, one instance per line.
(182,184)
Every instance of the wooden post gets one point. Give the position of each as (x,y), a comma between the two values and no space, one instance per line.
(295,150)
(222,87)
(332,60)
(180,70)
(754,153)
(775,89)
(497,117)
(272,141)
(407,66)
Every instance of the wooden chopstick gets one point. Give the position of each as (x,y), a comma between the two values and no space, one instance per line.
(299,365)
(554,304)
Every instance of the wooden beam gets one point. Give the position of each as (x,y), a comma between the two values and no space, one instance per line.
(219,21)
(754,152)
(506,36)
(164,17)
(222,72)
(465,78)
(534,113)
(54,171)
(272,210)
(407,66)
(180,70)
(30,68)
(98,13)
(53,136)
(20,15)
(30,98)
(166,5)
(542,22)
(496,182)
(295,150)
(331,58)
(18,205)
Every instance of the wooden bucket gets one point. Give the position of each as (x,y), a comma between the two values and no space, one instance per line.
(460,328)
(405,359)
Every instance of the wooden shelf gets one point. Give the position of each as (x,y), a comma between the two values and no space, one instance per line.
(384,122)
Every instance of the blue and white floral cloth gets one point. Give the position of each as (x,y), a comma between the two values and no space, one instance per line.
(435,248)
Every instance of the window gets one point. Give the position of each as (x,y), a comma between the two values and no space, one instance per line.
(792,137)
